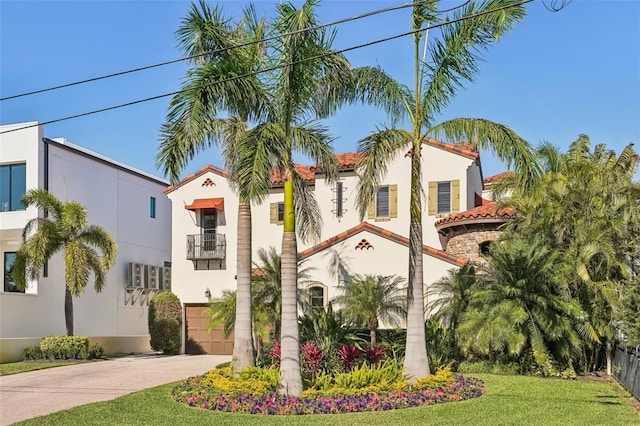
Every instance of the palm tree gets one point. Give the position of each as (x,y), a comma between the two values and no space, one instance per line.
(86,248)
(452,294)
(305,68)
(266,297)
(585,206)
(368,299)
(193,124)
(521,304)
(452,60)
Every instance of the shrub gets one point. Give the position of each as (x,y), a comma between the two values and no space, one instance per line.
(349,356)
(165,321)
(32,353)
(96,351)
(65,347)
(251,381)
(441,379)
(374,355)
(312,358)
(366,375)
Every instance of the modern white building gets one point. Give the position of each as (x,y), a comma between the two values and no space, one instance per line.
(128,203)
(204,210)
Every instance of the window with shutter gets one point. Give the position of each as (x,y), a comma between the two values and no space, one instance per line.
(276,213)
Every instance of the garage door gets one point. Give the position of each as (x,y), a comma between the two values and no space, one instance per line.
(199,341)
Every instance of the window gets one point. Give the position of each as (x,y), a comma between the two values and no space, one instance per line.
(9,284)
(152,207)
(382,202)
(385,205)
(316,295)
(276,212)
(485,247)
(444,197)
(338,202)
(13,185)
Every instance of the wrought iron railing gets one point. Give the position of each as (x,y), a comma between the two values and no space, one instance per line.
(206,246)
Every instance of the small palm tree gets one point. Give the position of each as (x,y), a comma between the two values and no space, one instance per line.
(368,299)
(451,295)
(520,305)
(86,248)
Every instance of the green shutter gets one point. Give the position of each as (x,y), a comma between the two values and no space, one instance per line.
(371,209)
(455,196)
(433,195)
(273,212)
(393,200)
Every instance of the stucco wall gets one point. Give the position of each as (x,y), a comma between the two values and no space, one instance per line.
(116,198)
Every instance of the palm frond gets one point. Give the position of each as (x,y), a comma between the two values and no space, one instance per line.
(377,151)
(307,210)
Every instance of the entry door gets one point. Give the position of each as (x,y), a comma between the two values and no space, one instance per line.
(209,223)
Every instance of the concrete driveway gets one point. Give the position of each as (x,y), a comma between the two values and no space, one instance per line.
(36,393)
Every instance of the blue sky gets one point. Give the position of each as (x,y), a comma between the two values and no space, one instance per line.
(554,76)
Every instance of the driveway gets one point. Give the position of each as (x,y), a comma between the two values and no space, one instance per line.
(36,393)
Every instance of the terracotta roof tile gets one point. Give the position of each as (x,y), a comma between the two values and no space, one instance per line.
(306,172)
(461,148)
(366,226)
(489,210)
(499,176)
(195,175)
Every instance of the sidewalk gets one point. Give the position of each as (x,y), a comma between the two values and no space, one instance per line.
(36,393)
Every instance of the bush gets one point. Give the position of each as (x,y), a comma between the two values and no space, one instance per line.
(96,351)
(441,379)
(65,347)
(165,323)
(32,353)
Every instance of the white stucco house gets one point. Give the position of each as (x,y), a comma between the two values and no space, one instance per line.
(128,203)
(204,210)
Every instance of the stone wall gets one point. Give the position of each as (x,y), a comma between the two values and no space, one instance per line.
(467,245)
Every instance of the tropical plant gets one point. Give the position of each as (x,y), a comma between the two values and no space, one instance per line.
(585,206)
(521,305)
(328,329)
(265,295)
(219,52)
(368,299)
(165,320)
(450,295)
(85,248)
(449,61)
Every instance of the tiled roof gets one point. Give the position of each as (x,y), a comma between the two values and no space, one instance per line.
(366,226)
(346,160)
(489,210)
(499,176)
(306,172)
(195,175)
(461,148)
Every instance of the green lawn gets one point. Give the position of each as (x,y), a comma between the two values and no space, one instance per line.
(24,366)
(508,400)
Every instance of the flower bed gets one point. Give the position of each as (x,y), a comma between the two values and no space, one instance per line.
(197,392)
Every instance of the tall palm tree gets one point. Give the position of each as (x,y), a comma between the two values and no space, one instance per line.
(368,299)
(451,61)
(303,70)
(521,304)
(86,248)
(194,123)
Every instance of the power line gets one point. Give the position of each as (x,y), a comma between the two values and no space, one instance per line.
(313,58)
(222,50)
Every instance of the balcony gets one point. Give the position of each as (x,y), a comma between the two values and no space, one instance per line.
(206,247)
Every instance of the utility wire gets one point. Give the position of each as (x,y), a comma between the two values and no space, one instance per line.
(313,58)
(225,49)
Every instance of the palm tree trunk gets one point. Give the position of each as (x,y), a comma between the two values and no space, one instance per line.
(373,326)
(416,362)
(243,350)
(290,373)
(68,310)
